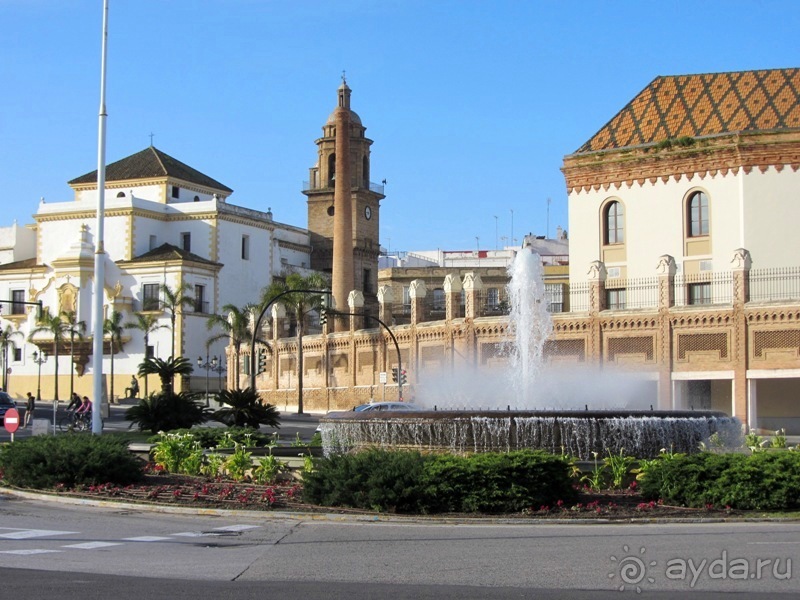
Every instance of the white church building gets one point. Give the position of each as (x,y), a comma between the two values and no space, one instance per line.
(165,223)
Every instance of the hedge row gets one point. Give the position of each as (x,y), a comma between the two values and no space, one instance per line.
(412,482)
(758,481)
(45,461)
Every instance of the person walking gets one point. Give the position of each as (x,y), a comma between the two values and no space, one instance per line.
(30,404)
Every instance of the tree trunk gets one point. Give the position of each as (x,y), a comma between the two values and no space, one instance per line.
(299,364)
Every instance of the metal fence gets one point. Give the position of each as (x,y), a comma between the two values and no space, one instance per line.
(776,284)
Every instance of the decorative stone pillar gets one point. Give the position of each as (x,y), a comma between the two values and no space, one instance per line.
(666,281)
(741,263)
(473,284)
(417,292)
(597,286)
(741,276)
(385,299)
(666,299)
(278,323)
(355,302)
(452,297)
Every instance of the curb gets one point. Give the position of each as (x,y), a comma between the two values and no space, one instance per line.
(379,518)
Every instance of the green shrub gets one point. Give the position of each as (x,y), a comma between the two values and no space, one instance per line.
(760,481)
(243,408)
(81,459)
(219,437)
(411,482)
(167,411)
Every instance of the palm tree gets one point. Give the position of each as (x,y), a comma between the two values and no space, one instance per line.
(58,328)
(236,326)
(147,323)
(7,336)
(75,328)
(173,302)
(166,370)
(299,304)
(113,327)
(243,408)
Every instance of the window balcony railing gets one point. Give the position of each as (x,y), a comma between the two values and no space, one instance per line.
(311,186)
(201,306)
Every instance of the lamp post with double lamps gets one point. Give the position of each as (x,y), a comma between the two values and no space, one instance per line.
(206,365)
(40,358)
(219,370)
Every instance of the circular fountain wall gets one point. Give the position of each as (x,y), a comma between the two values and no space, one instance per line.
(642,434)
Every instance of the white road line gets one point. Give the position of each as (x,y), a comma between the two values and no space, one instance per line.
(192,534)
(92,545)
(25,534)
(31,551)
(769,543)
(237,527)
(145,538)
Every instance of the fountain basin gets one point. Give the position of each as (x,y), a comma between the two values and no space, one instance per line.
(642,434)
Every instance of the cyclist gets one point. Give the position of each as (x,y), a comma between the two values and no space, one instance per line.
(84,411)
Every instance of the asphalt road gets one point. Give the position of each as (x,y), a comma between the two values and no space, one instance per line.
(53,549)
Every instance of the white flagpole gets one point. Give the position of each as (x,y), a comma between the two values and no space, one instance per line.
(99,252)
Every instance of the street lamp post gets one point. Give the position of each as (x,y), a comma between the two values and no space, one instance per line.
(219,370)
(40,358)
(206,365)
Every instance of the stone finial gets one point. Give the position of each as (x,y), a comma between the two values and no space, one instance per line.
(597,271)
(741,259)
(472,282)
(452,284)
(355,299)
(666,265)
(417,289)
(278,311)
(385,294)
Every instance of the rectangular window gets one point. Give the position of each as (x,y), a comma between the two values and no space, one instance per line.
(17,299)
(150,300)
(492,297)
(200,304)
(615,299)
(245,247)
(367,284)
(176,191)
(153,242)
(554,295)
(699,293)
(186,241)
(406,300)
(149,352)
(17,354)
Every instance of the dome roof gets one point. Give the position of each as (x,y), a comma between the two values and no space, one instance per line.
(354,118)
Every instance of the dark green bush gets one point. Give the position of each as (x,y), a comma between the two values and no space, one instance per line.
(77,459)
(167,411)
(411,482)
(759,481)
(243,408)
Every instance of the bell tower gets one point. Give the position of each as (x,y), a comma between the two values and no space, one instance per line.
(336,185)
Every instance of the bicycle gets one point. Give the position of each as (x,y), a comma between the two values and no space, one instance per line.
(75,421)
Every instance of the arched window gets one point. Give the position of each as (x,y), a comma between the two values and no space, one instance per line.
(614,222)
(697,215)
(331,169)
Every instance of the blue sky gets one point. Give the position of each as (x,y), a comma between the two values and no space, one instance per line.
(472,105)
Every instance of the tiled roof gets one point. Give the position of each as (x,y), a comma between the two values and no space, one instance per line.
(151,163)
(704,105)
(27,263)
(168,252)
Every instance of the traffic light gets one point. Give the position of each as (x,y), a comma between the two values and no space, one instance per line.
(262,361)
(403,377)
(395,374)
(323,311)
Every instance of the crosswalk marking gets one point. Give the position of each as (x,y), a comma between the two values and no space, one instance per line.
(146,538)
(25,534)
(92,545)
(237,527)
(31,551)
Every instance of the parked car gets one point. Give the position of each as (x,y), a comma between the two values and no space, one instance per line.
(379,406)
(6,402)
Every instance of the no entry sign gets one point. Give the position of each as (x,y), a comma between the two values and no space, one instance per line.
(11,420)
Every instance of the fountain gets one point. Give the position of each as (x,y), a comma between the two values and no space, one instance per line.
(469,414)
